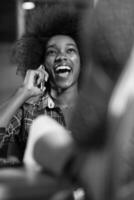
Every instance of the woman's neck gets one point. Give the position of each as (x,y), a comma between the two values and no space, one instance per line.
(65,98)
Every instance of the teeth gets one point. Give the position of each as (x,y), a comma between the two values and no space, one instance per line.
(63,68)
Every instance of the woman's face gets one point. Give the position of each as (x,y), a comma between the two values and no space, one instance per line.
(62,61)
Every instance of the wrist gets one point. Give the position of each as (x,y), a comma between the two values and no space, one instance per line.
(24,93)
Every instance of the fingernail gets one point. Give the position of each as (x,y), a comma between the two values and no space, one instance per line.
(46,78)
(44,89)
(41,86)
(40,67)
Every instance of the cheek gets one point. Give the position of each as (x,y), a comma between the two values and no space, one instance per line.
(77,68)
(49,62)
(76,62)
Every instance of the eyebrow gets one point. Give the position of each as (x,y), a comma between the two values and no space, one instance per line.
(68,44)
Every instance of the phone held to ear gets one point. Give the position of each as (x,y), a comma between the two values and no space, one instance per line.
(42,79)
(45,85)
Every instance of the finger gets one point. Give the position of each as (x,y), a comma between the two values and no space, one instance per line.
(41,86)
(40,78)
(38,91)
(44,88)
(46,76)
(42,69)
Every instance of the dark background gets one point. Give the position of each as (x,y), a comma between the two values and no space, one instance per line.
(9,81)
(8,20)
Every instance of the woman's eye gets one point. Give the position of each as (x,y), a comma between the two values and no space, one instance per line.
(51,52)
(71,50)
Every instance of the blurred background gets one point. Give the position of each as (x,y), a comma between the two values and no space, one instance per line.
(13,19)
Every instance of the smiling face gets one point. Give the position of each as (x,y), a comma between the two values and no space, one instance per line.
(62,61)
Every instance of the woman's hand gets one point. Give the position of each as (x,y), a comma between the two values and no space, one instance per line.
(33,85)
(34,82)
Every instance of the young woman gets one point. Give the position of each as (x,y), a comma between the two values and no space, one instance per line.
(48,59)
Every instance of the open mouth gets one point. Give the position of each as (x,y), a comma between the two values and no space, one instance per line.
(62,71)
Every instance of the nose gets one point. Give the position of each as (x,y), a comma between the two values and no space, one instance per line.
(61,56)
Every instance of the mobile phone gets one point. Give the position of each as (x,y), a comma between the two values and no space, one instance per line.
(43,83)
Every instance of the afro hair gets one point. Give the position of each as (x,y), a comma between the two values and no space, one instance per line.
(43,23)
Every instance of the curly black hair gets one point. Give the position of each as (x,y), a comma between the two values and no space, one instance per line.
(43,23)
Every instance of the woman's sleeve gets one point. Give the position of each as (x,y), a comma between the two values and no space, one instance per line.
(4,139)
(8,134)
